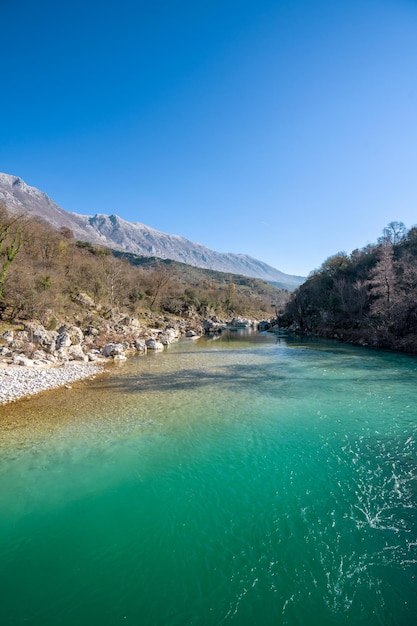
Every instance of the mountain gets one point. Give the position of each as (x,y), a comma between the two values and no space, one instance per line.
(116,233)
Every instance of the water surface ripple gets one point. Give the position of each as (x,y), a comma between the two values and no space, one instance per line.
(238,481)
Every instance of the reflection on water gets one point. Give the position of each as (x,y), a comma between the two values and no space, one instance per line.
(242,480)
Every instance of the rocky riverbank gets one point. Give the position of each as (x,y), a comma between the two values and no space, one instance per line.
(34,359)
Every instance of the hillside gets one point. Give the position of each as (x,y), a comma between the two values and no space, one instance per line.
(368,297)
(114,232)
(43,271)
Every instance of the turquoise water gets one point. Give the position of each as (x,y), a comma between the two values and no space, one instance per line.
(239,481)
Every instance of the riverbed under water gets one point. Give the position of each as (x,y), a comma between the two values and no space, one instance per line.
(245,480)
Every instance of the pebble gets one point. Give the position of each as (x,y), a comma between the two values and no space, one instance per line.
(17,382)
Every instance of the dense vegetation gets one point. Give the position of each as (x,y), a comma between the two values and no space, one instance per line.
(367,297)
(43,272)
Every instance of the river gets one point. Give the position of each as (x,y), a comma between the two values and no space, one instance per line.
(245,480)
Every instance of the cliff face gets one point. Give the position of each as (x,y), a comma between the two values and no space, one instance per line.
(114,232)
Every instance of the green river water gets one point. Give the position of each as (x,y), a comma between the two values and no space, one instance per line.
(243,481)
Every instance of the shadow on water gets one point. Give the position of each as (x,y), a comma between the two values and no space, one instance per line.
(268,373)
(238,376)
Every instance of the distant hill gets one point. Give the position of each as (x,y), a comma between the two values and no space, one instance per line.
(114,232)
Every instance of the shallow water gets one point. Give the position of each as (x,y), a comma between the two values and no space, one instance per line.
(235,481)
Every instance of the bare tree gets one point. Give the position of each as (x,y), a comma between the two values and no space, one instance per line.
(160,278)
(393,234)
(11,240)
(383,281)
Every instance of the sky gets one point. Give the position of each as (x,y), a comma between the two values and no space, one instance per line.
(282,129)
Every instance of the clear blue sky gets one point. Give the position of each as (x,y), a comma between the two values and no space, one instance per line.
(283,129)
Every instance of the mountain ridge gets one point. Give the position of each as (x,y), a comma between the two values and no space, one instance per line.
(114,232)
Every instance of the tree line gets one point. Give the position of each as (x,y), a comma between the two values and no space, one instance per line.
(43,271)
(368,296)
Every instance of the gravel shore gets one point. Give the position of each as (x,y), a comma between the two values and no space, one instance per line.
(17,382)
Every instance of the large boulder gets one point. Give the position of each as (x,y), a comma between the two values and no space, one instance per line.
(153,344)
(76,353)
(69,336)
(44,339)
(140,345)
(94,355)
(168,336)
(113,349)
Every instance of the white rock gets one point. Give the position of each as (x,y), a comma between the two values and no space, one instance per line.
(8,335)
(168,336)
(140,345)
(22,360)
(76,353)
(69,335)
(46,339)
(85,300)
(153,344)
(113,349)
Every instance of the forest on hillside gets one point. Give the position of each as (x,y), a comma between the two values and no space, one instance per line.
(367,297)
(43,272)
